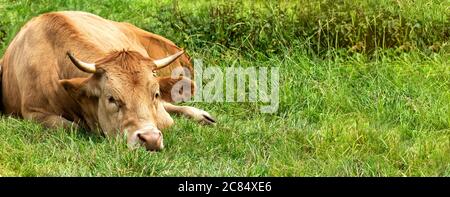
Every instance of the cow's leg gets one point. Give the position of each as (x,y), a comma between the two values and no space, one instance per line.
(49,120)
(191,112)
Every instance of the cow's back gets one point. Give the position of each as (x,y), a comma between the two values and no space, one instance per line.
(105,34)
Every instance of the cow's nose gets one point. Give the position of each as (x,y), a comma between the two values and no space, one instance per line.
(152,140)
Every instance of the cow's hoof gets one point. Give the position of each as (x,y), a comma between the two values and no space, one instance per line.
(200,116)
(207,119)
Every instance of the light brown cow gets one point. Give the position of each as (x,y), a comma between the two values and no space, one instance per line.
(71,68)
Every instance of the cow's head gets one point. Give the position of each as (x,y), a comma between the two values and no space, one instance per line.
(125,96)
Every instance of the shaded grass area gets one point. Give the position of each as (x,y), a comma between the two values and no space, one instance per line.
(266,27)
(364,91)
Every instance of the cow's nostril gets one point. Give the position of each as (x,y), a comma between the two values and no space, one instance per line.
(141,137)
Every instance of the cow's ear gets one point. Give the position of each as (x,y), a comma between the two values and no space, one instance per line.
(79,86)
(176,89)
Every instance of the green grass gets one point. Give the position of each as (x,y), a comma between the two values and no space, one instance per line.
(380,112)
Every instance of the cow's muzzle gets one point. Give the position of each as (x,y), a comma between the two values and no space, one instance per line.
(150,137)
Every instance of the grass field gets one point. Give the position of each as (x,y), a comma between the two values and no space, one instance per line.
(364,91)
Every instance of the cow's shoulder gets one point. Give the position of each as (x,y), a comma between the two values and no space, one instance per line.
(159,47)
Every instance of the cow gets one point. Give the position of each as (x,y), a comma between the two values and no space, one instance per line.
(73,69)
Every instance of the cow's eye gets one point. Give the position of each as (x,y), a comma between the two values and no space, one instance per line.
(157,95)
(111,99)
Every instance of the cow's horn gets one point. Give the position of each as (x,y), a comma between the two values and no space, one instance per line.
(86,67)
(161,63)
